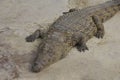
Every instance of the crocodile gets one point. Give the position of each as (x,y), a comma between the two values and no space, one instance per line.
(72,29)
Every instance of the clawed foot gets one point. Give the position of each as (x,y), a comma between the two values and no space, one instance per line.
(100,34)
(71,10)
(30,38)
(82,47)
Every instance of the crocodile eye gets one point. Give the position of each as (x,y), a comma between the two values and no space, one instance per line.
(49,60)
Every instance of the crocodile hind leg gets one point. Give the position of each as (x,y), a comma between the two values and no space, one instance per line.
(71,10)
(81,45)
(100,27)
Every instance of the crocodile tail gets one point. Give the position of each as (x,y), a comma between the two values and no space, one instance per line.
(117,2)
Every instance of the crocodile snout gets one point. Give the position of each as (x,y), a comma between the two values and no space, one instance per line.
(36,67)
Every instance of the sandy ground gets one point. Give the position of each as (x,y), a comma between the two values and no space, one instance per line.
(19,18)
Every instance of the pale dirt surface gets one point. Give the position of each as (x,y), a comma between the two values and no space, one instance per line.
(19,18)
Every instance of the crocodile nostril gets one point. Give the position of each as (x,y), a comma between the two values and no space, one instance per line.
(36,67)
(35,64)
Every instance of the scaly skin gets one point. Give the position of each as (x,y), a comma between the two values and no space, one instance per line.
(73,28)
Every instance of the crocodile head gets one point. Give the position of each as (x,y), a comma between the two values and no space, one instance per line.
(49,52)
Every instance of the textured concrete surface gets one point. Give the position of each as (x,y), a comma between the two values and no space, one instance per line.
(19,18)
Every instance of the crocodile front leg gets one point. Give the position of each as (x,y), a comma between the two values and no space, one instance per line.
(37,34)
(81,45)
(100,27)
